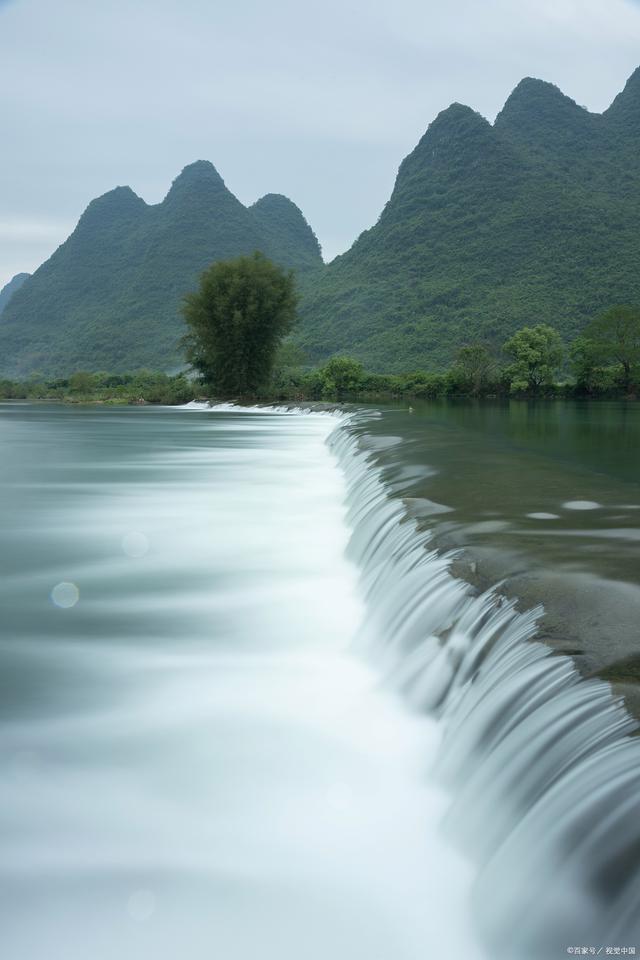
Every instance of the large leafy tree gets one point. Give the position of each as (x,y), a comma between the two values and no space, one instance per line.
(237,319)
(340,376)
(474,367)
(614,337)
(536,354)
(587,366)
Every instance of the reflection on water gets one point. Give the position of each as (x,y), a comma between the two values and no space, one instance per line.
(193,765)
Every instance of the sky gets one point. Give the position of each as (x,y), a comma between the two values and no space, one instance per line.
(316,100)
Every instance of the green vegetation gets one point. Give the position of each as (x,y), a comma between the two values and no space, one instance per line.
(537,354)
(490,228)
(110,296)
(475,369)
(237,319)
(10,288)
(528,366)
(144,386)
(529,222)
(614,337)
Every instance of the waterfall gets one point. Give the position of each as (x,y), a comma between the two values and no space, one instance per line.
(543,767)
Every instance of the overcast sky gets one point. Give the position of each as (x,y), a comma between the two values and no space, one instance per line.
(316,99)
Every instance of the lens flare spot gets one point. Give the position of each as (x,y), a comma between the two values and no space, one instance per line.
(141,905)
(340,796)
(65,595)
(135,544)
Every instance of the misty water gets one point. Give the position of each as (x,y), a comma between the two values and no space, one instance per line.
(194,761)
(248,708)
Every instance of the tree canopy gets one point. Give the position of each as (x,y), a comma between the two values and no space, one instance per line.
(237,319)
(614,337)
(474,367)
(536,354)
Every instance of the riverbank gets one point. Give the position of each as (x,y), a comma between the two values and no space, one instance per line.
(340,380)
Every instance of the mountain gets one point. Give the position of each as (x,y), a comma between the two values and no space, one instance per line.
(490,227)
(531,219)
(12,287)
(109,297)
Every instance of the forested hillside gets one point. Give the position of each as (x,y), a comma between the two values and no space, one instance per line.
(109,298)
(10,288)
(534,219)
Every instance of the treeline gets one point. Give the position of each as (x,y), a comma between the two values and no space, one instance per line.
(141,386)
(603,362)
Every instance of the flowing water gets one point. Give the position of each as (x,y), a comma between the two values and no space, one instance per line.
(247,710)
(194,762)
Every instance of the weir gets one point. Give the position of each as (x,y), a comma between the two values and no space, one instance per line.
(250,711)
(195,763)
(542,766)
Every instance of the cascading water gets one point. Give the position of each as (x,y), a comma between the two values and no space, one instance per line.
(196,760)
(543,766)
(193,761)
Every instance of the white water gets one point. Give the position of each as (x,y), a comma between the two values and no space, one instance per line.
(249,727)
(542,766)
(232,782)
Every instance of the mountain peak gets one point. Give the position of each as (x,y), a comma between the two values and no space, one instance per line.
(274,200)
(455,122)
(283,224)
(626,106)
(537,102)
(119,195)
(534,88)
(457,134)
(458,113)
(119,204)
(198,176)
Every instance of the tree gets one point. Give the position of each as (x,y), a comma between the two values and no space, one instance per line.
(586,365)
(537,354)
(339,377)
(82,381)
(474,367)
(237,318)
(288,370)
(615,338)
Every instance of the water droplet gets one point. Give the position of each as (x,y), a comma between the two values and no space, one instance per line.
(135,544)
(65,594)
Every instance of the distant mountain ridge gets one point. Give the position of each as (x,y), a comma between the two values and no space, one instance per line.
(490,227)
(109,297)
(12,287)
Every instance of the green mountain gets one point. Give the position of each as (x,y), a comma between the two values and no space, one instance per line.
(109,297)
(490,227)
(12,287)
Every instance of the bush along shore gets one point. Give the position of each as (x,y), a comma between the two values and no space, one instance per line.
(604,363)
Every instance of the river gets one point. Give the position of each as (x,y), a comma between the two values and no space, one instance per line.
(250,707)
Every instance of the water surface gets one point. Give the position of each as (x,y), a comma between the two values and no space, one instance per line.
(194,761)
(542,495)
